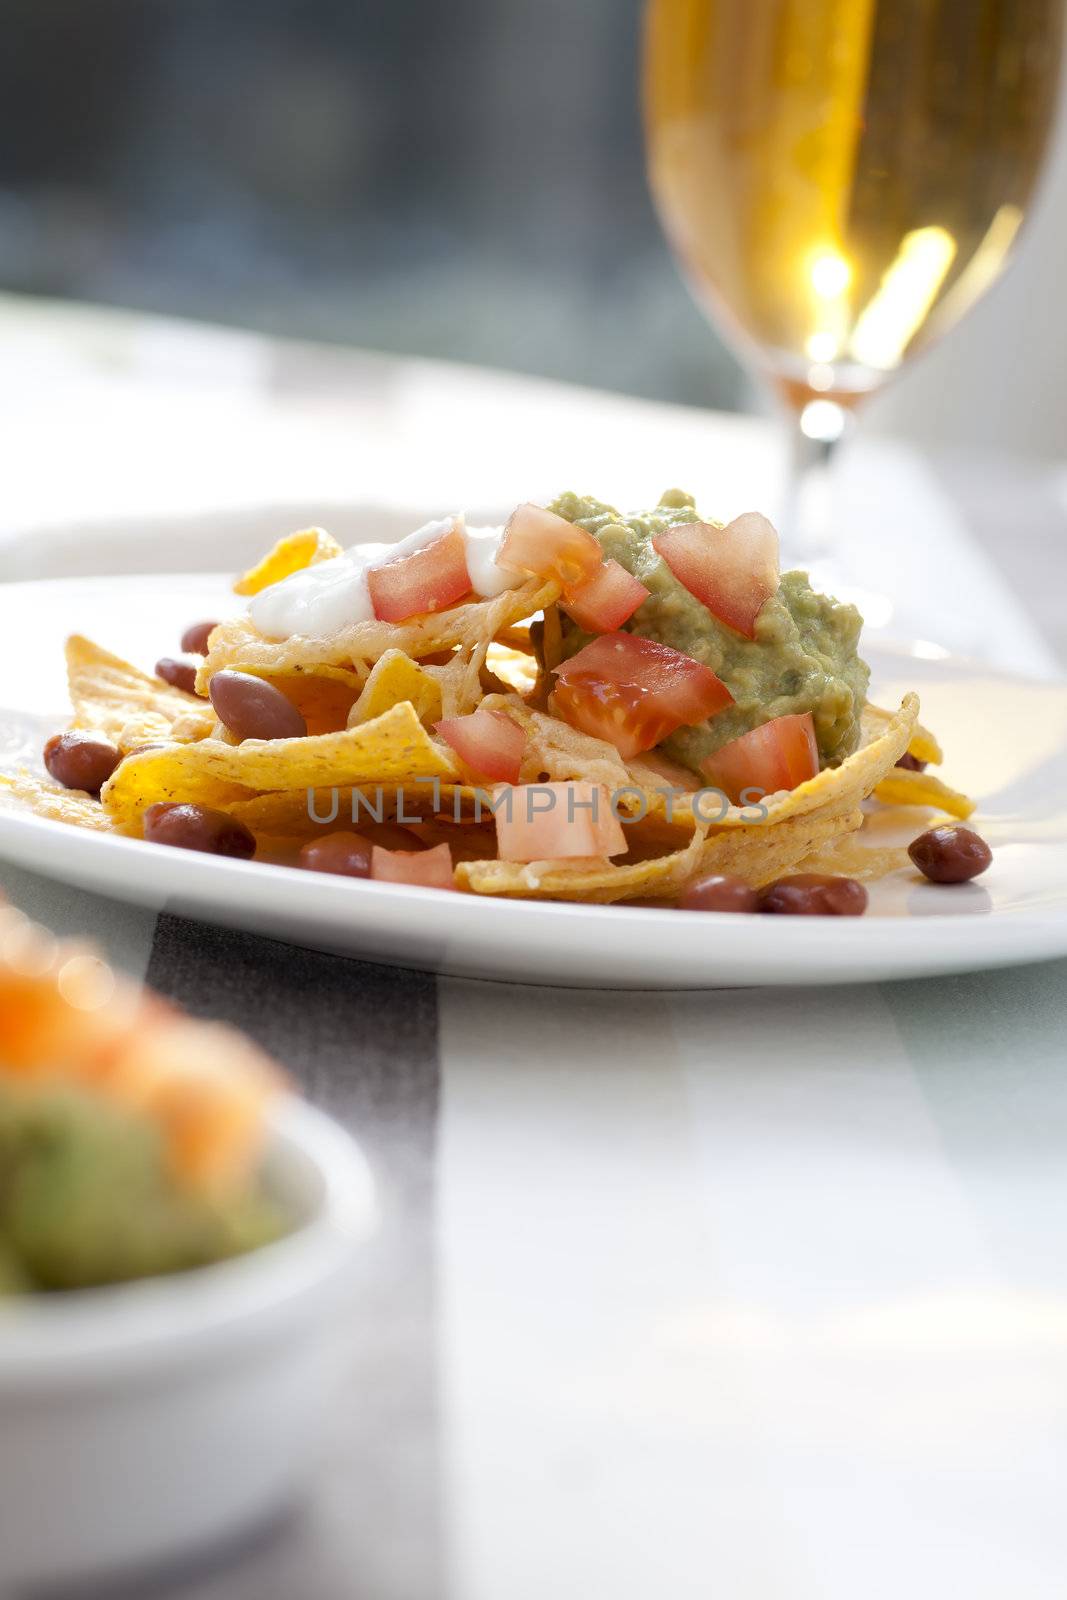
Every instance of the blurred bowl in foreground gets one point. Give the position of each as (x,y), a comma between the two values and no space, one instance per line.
(141,1422)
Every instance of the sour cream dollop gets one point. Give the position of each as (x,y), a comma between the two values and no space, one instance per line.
(324,600)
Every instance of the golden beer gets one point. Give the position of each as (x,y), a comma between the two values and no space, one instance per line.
(844,178)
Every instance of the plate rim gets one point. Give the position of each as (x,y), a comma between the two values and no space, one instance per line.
(888,950)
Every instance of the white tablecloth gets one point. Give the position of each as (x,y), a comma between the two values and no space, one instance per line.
(753,1294)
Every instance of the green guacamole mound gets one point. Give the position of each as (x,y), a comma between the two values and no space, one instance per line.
(803,658)
(86,1198)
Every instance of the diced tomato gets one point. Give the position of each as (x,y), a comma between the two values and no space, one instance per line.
(539,542)
(430,868)
(731,570)
(606,600)
(490,743)
(634,692)
(557,821)
(778,755)
(427,580)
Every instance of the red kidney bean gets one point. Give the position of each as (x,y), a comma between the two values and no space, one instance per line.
(911,763)
(179,674)
(253,709)
(719,892)
(195,637)
(192,827)
(949,854)
(810,894)
(80,760)
(347,854)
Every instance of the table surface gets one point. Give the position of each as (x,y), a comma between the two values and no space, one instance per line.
(755,1294)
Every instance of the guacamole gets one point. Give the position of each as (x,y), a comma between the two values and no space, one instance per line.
(803,658)
(87,1198)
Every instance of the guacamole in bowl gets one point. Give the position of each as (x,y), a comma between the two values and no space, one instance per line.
(89,1196)
(133,1138)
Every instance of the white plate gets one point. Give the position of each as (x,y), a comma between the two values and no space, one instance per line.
(1005,741)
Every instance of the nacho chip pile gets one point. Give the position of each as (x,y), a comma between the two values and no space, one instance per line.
(372,697)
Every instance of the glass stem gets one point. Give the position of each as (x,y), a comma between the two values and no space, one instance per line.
(807,525)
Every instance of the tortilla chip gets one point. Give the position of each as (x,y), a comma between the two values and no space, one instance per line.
(903,788)
(796,823)
(843,787)
(514,669)
(466,842)
(155,729)
(463,681)
(324,697)
(393,679)
(324,702)
(291,554)
(849,857)
(759,853)
(558,753)
(470,626)
(923,746)
(125,705)
(300,813)
(517,637)
(51,800)
(393,749)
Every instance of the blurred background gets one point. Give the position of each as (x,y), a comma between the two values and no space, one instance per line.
(461,180)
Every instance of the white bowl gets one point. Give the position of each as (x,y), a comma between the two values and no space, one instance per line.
(142,1421)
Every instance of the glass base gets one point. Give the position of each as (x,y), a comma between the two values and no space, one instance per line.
(811,538)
